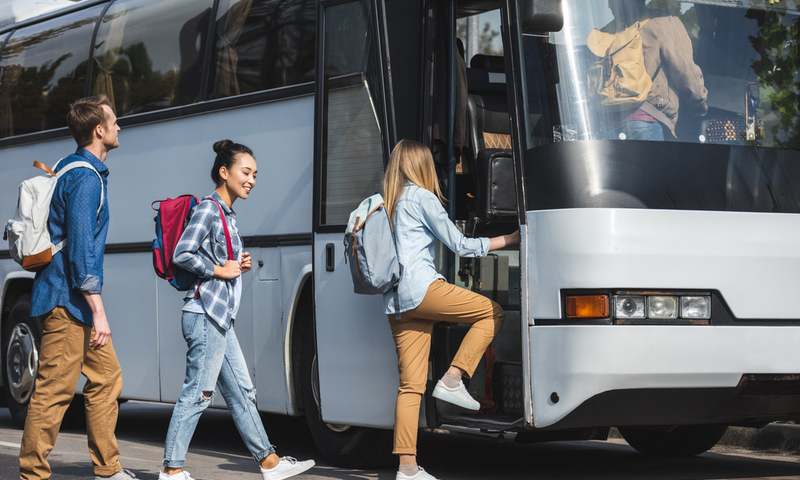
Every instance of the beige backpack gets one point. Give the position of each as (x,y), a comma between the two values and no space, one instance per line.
(28,233)
(618,79)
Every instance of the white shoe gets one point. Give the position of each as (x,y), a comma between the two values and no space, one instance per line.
(457,396)
(182,475)
(421,475)
(286,467)
(121,475)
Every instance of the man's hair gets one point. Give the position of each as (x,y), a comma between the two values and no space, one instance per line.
(84,115)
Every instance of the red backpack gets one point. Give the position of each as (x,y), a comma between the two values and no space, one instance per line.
(171,221)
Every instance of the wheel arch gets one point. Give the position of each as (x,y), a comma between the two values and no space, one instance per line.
(300,318)
(15,285)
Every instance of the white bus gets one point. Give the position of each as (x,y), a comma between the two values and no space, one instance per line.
(655,286)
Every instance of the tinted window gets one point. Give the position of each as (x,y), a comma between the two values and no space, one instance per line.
(43,70)
(262,44)
(149,55)
(353,155)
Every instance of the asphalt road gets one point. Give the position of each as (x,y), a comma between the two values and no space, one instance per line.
(217,452)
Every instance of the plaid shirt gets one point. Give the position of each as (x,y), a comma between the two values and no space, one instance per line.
(202,246)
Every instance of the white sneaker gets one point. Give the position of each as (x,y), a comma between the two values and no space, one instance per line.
(421,475)
(182,475)
(286,467)
(121,475)
(457,396)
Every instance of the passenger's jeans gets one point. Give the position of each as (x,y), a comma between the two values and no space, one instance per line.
(214,358)
(634,130)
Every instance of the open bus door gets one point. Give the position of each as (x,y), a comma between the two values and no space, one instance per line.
(354,372)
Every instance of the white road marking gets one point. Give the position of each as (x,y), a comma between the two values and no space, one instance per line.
(9,444)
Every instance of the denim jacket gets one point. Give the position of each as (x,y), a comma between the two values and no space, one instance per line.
(202,246)
(419,220)
(78,267)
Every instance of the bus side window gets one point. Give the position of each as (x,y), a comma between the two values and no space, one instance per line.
(262,44)
(43,70)
(149,55)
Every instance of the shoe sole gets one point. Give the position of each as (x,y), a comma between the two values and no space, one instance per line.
(297,472)
(446,397)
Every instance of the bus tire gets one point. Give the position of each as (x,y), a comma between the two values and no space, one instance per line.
(682,441)
(341,445)
(21,339)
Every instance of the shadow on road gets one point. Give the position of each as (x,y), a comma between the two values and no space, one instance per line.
(142,427)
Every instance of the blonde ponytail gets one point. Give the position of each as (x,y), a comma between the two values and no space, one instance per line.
(410,161)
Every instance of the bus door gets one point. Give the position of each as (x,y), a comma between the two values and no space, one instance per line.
(356,364)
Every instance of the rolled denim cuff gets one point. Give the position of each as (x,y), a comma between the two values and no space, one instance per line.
(91,284)
(264,454)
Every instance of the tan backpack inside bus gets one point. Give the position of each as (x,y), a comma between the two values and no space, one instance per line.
(618,79)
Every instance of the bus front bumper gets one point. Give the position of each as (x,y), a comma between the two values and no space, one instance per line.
(616,375)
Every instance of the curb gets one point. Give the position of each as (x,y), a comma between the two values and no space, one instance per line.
(775,436)
(782,437)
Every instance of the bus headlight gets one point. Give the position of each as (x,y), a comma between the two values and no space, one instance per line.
(629,306)
(663,307)
(696,307)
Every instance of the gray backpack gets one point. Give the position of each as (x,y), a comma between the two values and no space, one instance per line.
(369,244)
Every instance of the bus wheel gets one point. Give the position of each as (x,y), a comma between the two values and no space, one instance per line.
(342,445)
(22,337)
(682,441)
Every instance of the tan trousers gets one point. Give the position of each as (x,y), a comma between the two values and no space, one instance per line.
(412,336)
(63,356)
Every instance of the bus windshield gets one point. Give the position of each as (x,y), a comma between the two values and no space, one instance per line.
(715,72)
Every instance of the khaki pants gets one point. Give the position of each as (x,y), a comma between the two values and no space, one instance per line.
(63,356)
(412,336)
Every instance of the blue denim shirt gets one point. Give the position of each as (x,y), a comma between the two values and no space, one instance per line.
(419,220)
(78,267)
(202,246)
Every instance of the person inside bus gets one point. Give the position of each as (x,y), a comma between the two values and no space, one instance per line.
(214,357)
(414,204)
(669,61)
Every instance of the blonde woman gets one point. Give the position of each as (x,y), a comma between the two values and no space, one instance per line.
(414,203)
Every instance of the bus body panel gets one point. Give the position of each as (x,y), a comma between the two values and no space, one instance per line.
(358,376)
(579,362)
(752,259)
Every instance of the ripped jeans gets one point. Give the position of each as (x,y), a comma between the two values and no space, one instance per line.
(214,358)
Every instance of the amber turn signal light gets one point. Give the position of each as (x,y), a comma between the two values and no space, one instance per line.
(587,306)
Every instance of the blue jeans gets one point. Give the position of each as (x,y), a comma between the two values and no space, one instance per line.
(634,130)
(214,358)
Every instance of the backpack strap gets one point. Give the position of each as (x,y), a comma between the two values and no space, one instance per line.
(82,164)
(79,164)
(225,227)
(394,289)
(227,240)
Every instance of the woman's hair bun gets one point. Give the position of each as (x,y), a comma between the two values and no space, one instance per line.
(222,144)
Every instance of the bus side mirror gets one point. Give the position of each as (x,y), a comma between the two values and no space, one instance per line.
(541,16)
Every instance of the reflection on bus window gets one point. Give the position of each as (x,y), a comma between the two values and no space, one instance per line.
(149,55)
(745,53)
(42,71)
(262,44)
(353,162)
